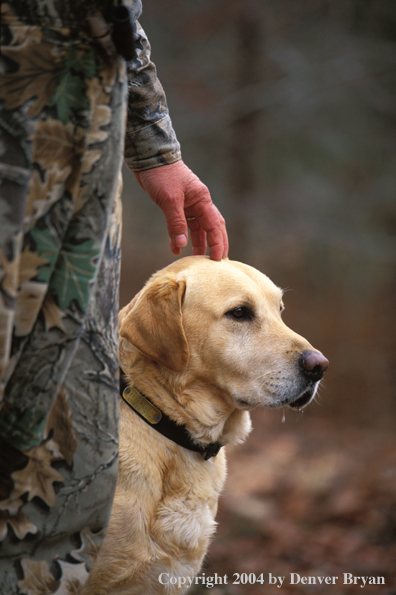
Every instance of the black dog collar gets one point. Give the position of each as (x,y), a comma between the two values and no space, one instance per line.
(162,423)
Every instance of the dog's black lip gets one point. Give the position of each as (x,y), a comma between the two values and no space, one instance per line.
(303,399)
(244,404)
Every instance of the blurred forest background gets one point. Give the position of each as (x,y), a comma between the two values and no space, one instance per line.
(286,109)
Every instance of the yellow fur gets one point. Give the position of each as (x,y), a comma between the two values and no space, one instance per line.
(204,370)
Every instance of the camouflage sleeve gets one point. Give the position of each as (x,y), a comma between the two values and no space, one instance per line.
(150,140)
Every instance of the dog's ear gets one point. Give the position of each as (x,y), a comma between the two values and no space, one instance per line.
(153,323)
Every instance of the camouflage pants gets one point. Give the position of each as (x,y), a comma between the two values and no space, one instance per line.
(61,138)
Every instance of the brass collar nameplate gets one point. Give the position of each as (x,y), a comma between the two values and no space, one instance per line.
(142,405)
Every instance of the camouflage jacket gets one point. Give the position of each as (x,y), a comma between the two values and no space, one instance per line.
(150,140)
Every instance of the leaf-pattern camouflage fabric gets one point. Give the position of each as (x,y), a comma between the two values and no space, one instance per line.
(63,104)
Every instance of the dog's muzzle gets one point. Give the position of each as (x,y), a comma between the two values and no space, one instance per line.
(313,365)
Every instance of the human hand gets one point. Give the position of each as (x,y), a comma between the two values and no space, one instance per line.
(186,204)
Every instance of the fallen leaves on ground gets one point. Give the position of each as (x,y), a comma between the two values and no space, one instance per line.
(309,497)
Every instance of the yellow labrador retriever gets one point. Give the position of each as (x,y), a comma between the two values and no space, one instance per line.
(201,345)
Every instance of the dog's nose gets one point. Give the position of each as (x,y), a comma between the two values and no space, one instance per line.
(313,364)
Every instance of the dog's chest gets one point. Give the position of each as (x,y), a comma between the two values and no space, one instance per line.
(184,520)
(188,524)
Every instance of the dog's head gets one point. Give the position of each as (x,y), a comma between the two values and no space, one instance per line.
(220,323)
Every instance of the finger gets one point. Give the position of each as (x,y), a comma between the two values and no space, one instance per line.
(175,223)
(199,204)
(216,250)
(198,239)
(218,238)
(225,237)
(213,224)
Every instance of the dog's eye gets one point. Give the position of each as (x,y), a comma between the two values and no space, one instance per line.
(240,313)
